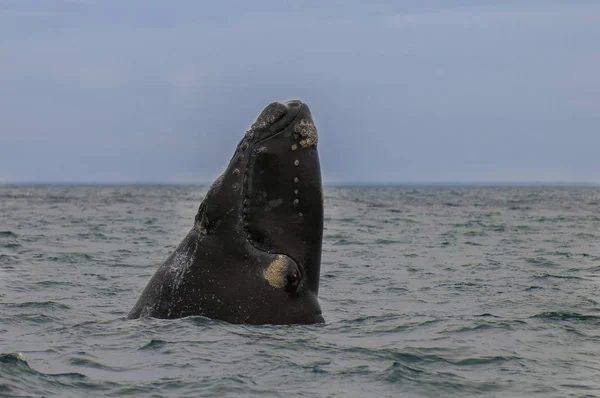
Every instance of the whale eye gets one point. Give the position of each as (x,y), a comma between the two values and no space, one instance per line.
(293,279)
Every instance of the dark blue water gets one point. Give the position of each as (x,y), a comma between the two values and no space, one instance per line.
(427,291)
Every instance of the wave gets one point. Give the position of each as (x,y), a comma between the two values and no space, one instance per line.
(17,378)
(567,316)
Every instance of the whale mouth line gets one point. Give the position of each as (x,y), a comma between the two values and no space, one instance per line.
(295,115)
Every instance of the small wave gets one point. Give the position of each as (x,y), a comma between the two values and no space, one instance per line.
(12,246)
(567,316)
(358,370)
(318,367)
(94,235)
(407,220)
(553,219)
(14,358)
(153,345)
(523,228)
(35,318)
(385,242)
(88,363)
(459,285)
(482,360)
(584,235)
(7,259)
(474,233)
(533,288)
(562,254)
(344,242)
(467,329)
(198,320)
(20,379)
(541,261)
(519,208)
(71,258)
(39,304)
(7,234)
(545,276)
(398,372)
(405,327)
(505,325)
(468,224)
(123,265)
(55,283)
(18,361)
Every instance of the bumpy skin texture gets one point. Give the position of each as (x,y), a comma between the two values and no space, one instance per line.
(254,252)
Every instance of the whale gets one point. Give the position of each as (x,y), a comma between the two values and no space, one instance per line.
(253,254)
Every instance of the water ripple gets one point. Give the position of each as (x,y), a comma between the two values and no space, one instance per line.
(427,291)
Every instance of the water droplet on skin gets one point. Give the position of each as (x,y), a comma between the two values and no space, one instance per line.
(296,179)
(296,162)
(296,192)
(296,202)
(241,157)
(300,214)
(236,172)
(294,147)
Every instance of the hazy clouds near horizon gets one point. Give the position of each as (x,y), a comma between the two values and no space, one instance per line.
(148,90)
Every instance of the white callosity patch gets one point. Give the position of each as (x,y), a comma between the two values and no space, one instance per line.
(269,115)
(276,272)
(307,130)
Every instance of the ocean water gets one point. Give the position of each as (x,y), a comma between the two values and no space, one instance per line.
(426,292)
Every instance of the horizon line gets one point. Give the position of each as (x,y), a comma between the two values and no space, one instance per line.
(332,184)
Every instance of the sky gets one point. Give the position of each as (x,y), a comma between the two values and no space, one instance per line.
(401,91)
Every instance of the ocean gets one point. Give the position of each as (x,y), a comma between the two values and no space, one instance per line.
(427,291)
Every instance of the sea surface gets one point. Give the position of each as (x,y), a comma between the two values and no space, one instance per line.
(426,292)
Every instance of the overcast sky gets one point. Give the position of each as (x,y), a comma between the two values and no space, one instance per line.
(430,91)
